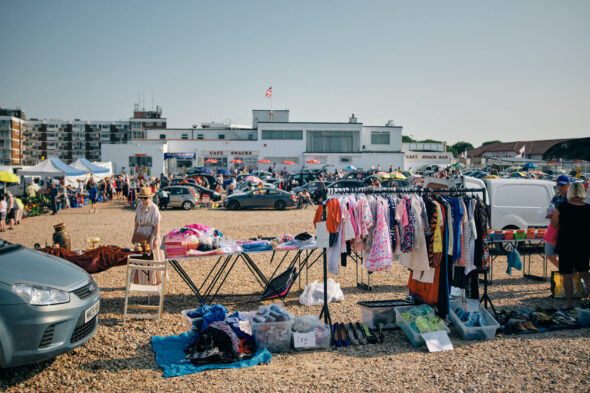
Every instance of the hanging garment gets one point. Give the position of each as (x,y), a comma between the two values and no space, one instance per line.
(417,260)
(380,256)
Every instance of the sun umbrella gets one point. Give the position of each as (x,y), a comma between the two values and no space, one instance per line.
(223,172)
(265,161)
(529,165)
(288,162)
(397,175)
(457,165)
(518,174)
(253,179)
(384,175)
(8,177)
(312,162)
(211,161)
(491,177)
(236,161)
(351,167)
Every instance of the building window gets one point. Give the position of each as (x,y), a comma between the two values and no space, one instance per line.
(162,136)
(332,141)
(250,137)
(380,138)
(200,136)
(184,136)
(221,136)
(282,134)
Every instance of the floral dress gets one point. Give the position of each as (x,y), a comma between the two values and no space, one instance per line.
(380,256)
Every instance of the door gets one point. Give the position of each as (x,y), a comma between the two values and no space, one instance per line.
(259,198)
(175,196)
(272,196)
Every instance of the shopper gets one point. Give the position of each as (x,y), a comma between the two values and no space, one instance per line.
(53,194)
(93,195)
(19,208)
(572,219)
(3,207)
(10,209)
(550,238)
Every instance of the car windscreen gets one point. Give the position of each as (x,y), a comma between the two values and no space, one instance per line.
(8,247)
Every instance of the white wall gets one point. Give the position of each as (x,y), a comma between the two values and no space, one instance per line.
(395,139)
(414,159)
(119,155)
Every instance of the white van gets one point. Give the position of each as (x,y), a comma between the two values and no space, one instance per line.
(515,203)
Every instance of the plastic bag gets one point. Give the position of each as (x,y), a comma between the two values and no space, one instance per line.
(557,290)
(513,261)
(313,295)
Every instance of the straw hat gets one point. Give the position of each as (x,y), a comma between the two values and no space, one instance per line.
(59,226)
(145,192)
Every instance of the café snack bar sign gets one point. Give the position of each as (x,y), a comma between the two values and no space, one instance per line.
(428,156)
(220,153)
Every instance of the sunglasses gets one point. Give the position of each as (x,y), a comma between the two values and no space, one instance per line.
(143,198)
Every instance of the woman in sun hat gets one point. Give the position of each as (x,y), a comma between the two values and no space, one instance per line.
(147,220)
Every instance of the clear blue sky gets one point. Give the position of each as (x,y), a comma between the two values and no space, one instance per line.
(450,70)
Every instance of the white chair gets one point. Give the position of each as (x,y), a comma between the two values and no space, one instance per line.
(156,285)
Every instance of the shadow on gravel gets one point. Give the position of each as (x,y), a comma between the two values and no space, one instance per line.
(144,361)
(13,376)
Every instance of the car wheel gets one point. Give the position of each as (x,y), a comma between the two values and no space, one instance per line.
(233,205)
(505,247)
(187,205)
(280,205)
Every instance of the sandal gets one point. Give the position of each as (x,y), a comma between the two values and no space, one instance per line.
(371,338)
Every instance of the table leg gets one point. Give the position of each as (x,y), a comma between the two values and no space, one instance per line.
(185,277)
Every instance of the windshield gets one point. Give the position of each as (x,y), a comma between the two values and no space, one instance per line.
(7,246)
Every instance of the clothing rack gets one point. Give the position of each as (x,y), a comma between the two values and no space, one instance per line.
(332,192)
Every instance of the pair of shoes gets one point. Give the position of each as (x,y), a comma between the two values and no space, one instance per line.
(352,334)
(340,335)
(371,338)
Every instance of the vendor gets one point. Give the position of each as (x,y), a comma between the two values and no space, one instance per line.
(147,222)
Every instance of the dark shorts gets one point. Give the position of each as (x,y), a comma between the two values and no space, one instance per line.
(93,200)
(11,214)
(568,264)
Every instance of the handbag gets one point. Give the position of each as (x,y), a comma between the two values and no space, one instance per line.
(140,238)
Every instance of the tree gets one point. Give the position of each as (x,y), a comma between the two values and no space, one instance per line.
(490,142)
(459,147)
(407,139)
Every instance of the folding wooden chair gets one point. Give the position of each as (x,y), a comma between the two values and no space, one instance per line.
(155,284)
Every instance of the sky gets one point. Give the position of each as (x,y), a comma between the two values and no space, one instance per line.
(448,70)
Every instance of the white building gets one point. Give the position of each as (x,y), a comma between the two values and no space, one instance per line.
(272,137)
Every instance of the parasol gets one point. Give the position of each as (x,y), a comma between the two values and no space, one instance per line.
(8,177)
(351,167)
(312,162)
(397,175)
(288,162)
(254,179)
(236,161)
(265,161)
(211,161)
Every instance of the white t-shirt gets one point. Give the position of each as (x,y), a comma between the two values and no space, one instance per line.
(3,206)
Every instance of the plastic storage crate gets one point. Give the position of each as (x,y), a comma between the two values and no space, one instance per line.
(531,233)
(540,233)
(519,235)
(583,316)
(414,337)
(508,235)
(322,338)
(190,322)
(498,235)
(381,312)
(486,332)
(274,336)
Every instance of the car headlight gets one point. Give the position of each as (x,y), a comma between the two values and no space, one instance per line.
(40,296)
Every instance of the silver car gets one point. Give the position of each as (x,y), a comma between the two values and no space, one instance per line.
(182,196)
(48,306)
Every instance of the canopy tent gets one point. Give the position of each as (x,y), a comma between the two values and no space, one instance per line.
(52,167)
(88,167)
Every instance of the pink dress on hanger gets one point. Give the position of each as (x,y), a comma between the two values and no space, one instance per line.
(380,256)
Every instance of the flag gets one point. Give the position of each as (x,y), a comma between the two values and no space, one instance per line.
(269,92)
(464,154)
(521,152)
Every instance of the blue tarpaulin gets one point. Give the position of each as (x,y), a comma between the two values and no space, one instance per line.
(171,357)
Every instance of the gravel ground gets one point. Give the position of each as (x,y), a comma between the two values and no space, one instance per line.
(120,358)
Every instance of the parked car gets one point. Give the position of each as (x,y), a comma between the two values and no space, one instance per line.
(213,195)
(48,306)
(182,196)
(515,203)
(246,186)
(348,183)
(261,197)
